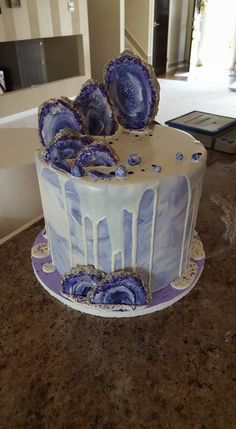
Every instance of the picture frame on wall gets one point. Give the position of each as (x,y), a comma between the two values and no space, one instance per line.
(14,3)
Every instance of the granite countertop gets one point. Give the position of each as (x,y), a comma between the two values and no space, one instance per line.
(170,369)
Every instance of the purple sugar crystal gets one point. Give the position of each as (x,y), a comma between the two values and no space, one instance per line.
(134,159)
(56,114)
(156,168)
(97,154)
(179,156)
(121,171)
(119,288)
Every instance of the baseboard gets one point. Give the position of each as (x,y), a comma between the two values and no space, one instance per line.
(171,67)
(20,229)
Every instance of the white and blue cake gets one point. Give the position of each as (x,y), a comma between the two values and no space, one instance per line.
(120,209)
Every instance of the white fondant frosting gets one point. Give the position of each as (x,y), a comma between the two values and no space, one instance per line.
(144,221)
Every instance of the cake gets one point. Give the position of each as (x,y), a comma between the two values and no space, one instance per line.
(120,196)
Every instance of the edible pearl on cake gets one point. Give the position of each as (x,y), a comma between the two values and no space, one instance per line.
(179,156)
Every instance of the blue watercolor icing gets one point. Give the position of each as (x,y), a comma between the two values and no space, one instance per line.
(75,220)
(104,246)
(127,220)
(173,192)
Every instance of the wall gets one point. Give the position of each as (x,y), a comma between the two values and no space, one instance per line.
(178,25)
(139,17)
(38,18)
(44,18)
(106,30)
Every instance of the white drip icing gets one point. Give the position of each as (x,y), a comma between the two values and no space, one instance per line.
(114,215)
(181,267)
(193,221)
(154,214)
(63,191)
(84,239)
(95,244)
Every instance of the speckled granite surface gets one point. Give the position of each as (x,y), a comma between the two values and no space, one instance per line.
(172,369)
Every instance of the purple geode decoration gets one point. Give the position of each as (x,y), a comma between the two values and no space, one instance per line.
(81,280)
(97,154)
(94,104)
(66,167)
(77,171)
(65,145)
(96,174)
(134,159)
(56,114)
(134,90)
(121,288)
(61,165)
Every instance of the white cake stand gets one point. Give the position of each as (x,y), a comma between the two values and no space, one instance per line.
(50,279)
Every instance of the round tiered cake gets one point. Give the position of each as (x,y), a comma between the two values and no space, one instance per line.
(120,197)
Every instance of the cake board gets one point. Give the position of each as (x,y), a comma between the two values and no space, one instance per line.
(50,279)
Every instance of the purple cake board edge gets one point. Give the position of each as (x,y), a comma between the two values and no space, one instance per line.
(161,299)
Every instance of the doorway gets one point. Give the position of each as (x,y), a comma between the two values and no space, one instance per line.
(214,36)
(160,36)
